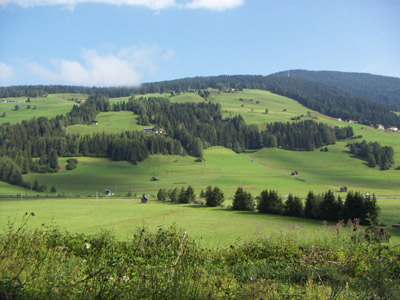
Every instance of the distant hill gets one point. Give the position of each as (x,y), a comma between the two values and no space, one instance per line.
(382,89)
(322,97)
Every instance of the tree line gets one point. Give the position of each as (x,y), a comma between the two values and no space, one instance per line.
(374,153)
(325,206)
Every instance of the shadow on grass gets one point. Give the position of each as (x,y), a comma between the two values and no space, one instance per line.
(355,156)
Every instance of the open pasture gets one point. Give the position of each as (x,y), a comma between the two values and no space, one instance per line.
(265,169)
(209,226)
(50,106)
(109,122)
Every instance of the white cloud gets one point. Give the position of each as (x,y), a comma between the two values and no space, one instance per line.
(215,4)
(124,68)
(156,5)
(6,73)
(169,55)
(152,4)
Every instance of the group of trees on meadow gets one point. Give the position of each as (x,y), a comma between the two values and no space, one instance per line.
(326,206)
(374,153)
(200,125)
(322,207)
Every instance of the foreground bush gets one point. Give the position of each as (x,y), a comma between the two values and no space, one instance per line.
(338,263)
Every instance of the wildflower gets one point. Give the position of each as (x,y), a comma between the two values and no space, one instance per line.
(87,246)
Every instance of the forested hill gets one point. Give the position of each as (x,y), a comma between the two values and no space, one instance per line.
(377,88)
(328,100)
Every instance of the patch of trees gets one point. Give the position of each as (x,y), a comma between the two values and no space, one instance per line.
(178,196)
(72,163)
(304,135)
(326,206)
(198,125)
(11,173)
(322,207)
(374,153)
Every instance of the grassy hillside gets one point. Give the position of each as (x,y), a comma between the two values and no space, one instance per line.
(50,106)
(111,122)
(267,168)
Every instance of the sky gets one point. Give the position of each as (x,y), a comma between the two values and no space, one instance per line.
(128,42)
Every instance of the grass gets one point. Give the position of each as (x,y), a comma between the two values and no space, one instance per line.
(50,106)
(209,226)
(110,122)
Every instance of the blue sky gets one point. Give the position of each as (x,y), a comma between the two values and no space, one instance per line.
(126,42)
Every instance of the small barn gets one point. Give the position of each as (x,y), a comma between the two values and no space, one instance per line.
(94,122)
(108,192)
(343,189)
(295,173)
(145,199)
(155,179)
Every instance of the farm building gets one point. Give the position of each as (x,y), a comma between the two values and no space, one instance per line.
(108,192)
(80,100)
(380,127)
(94,122)
(343,189)
(3,101)
(395,129)
(295,173)
(155,179)
(153,130)
(145,199)
(148,130)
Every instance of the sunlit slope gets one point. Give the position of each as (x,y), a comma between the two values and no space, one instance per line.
(109,122)
(50,107)
(268,168)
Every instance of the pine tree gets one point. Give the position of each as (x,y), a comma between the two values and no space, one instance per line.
(35,185)
(311,206)
(182,196)
(243,200)
(214,197)
(190,195)
(269,202)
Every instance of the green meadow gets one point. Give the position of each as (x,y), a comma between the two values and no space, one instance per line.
(267,168)
(50,106)
(209,226)
(111,122)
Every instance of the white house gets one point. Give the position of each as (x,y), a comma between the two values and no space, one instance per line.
(395,129)
(380,127)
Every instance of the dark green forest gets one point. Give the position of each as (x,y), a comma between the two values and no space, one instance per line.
(382,89)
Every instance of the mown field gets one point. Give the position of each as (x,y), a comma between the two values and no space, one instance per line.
(50,106)
(209,226)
